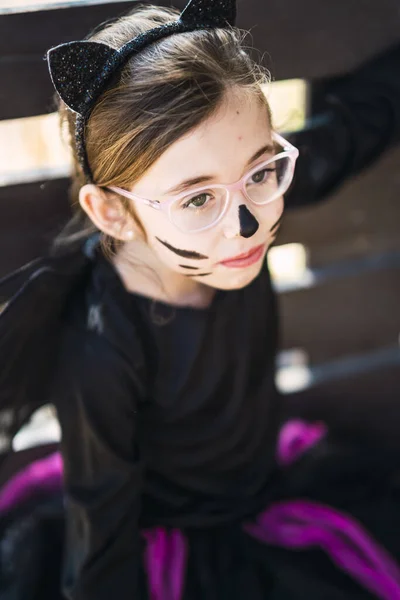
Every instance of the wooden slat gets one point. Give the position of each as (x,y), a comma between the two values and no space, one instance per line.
(364,407)
(346,316)
(312,39)
(307,33)
(33,76)
(31,215)
(301,41)
(39,30)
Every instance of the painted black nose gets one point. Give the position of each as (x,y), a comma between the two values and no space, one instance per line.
(248,223)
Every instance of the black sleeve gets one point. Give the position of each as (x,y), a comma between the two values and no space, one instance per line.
(97,408)
(355,119)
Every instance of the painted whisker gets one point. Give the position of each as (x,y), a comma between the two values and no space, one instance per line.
(184,253)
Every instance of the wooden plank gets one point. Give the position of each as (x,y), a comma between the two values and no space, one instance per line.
(361,408)
(310,25)
(31,215)
(313,39)
(33,33)
(32,76)
(346,316)
(289,31)
(361,218)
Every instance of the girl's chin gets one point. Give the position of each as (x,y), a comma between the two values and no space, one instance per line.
(233,280)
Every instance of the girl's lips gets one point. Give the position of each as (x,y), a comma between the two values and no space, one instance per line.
(245,260)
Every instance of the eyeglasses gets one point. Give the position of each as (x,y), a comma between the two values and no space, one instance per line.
(204,207)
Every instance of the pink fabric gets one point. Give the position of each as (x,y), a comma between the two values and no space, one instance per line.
(295,438)
(165,562)
(300,525)
(44,475)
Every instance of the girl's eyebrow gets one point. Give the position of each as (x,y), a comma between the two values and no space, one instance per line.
(268,148)
(188,183)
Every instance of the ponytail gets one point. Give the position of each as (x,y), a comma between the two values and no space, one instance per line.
(30,327)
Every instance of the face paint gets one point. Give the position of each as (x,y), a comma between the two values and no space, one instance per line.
(187,267)
(277,223)
(248,223)
(183,253)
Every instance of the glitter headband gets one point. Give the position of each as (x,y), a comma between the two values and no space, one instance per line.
(82,71)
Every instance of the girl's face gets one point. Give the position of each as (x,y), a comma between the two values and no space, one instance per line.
(219,151)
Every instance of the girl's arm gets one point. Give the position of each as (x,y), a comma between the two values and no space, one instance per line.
(102,473)
(357,121)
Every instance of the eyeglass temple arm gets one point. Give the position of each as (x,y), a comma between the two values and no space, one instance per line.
(284,143)
(153,203)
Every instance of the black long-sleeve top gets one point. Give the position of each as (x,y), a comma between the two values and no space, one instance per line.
(168,417)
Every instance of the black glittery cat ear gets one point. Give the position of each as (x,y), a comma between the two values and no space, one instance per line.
(79,71)
(214,13)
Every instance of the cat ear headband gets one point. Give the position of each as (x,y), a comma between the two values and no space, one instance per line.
(81,71)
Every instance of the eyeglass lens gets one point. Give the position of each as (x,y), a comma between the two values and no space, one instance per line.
(195,212)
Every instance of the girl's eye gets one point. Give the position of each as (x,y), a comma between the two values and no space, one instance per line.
(197,202)
(262,175)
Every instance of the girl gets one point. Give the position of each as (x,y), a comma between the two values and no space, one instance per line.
(153,329)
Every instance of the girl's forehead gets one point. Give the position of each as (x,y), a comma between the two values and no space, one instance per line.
(221,146)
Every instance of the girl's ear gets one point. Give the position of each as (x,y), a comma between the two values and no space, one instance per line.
(107,213)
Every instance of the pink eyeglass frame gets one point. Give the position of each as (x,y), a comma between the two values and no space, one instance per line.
(289,151)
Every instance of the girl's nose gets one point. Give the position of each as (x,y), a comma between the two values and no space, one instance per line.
(241,224)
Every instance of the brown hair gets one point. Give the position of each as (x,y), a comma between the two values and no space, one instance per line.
(161,94)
